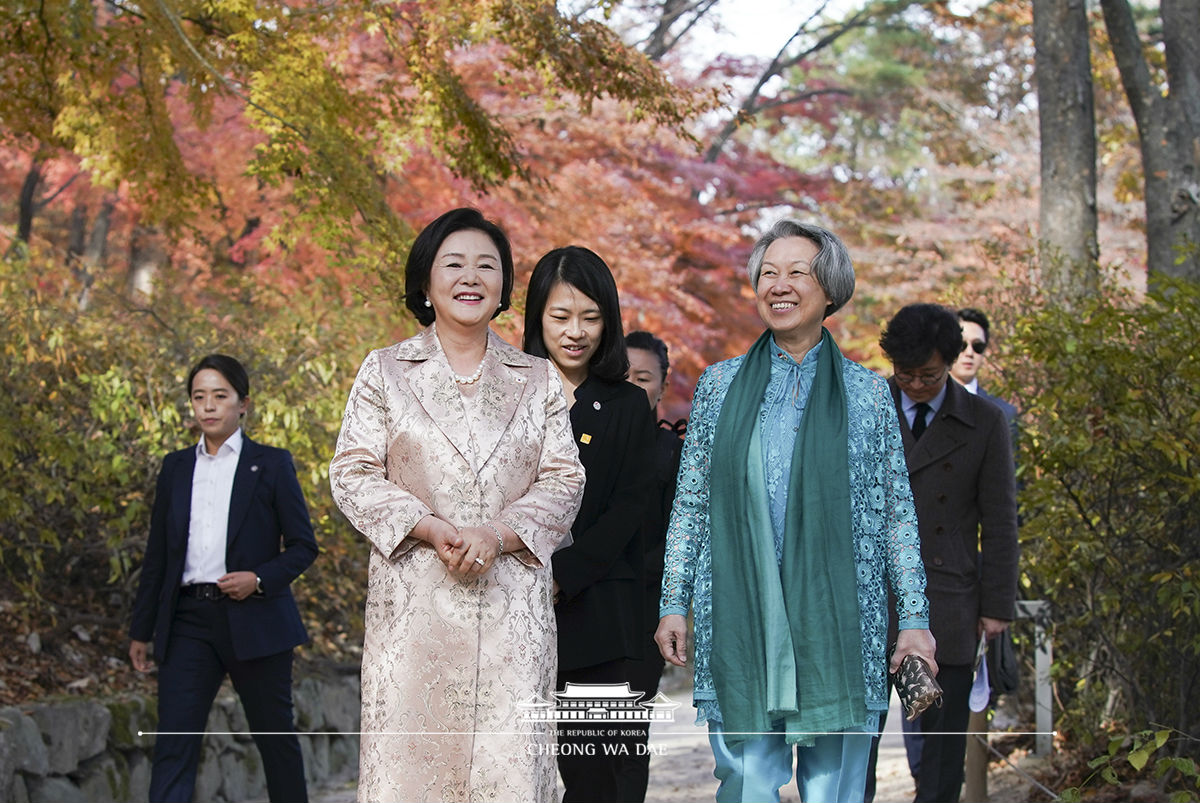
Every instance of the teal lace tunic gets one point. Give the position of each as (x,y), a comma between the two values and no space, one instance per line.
(883,518)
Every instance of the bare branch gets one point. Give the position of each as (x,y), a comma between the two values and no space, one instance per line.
(42,202)
(752,104)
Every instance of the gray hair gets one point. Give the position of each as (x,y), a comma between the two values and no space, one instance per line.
(831,267)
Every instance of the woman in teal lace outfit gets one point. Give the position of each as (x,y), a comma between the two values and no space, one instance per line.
(792,514)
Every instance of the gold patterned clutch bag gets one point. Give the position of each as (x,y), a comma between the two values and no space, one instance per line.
(916,686)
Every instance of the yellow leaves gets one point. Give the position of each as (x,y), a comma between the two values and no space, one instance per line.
(338,98)
(1141,754)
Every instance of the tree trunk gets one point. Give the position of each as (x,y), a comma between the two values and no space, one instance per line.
(76,243)
(147,256)
(657,44)
(85,253)
(674,19)
(1168,127)
(27,201)
(1068,247)
(97,247)
(77,235)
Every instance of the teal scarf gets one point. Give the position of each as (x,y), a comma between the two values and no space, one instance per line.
(787,640)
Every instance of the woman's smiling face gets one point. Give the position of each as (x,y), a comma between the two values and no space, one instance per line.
(572,328)
(788,297)
(466,280)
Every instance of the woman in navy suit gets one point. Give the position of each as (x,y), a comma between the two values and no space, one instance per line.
(573,317)
(214,594)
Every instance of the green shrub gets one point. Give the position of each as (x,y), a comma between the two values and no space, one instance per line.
(1110,472)
(91,399)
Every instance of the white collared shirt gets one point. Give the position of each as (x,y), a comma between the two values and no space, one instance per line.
(972,386)
(910,407)
(208,525)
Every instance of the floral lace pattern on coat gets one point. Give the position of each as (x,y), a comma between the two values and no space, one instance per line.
(884,522)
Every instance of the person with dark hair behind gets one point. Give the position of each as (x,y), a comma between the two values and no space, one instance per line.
(214,594)
(648,367)
(573,316)
(977,336)
(959,455)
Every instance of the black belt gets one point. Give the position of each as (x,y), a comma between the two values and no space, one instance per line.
(202,591)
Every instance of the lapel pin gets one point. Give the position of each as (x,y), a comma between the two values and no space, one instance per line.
(254,468)
(585,438)
(596,405)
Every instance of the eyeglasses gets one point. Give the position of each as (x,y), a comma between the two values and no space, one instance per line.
(905,378)
(977,346)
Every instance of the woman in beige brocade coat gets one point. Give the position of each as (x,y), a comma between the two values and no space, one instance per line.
(456,461)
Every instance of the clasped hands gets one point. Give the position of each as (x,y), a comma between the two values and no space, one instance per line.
(467,552)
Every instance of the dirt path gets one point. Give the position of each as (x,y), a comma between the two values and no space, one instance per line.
(681,766)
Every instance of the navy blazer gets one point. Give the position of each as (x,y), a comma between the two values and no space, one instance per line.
(266,508)
(1010,413)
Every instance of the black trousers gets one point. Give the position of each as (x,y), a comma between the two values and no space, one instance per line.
(199,656)
(940,776)
(633,773)
(939,772)
(589,764)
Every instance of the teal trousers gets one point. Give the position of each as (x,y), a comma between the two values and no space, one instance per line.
(833,770)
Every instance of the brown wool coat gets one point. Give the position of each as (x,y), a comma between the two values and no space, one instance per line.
(961,472)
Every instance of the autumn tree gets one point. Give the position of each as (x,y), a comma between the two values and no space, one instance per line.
(337,98)
(265,164)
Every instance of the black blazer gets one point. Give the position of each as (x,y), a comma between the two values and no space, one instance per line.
(266,507)
(600,576)
(961,472)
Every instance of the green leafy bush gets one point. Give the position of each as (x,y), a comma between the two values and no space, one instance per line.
(91,399)
(1110,468)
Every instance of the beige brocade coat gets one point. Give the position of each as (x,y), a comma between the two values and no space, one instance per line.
(446,661)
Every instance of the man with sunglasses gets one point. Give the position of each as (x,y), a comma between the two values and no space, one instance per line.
(959,455)
(965,370)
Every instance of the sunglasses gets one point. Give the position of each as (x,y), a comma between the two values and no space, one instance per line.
(977,346)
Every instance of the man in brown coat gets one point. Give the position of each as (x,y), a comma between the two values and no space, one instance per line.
(960,465)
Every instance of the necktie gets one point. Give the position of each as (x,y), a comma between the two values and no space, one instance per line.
(918,427)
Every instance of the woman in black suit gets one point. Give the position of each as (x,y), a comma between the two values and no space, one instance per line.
(573,317)
(214,594)
(648,368)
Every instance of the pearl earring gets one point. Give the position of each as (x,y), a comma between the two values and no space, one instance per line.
(427,303)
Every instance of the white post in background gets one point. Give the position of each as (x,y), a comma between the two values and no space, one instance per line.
(1039,612)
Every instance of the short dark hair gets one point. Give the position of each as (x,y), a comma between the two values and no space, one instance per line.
(917,331)
(972,315)
(648,342)
(831,267)
(227,367)
(424,251)
(584,270)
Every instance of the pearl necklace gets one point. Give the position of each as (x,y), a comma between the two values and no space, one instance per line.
(472,379)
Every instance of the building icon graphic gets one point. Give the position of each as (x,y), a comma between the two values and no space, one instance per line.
(599,702)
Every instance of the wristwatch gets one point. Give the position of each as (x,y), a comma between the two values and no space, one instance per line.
(257,584)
